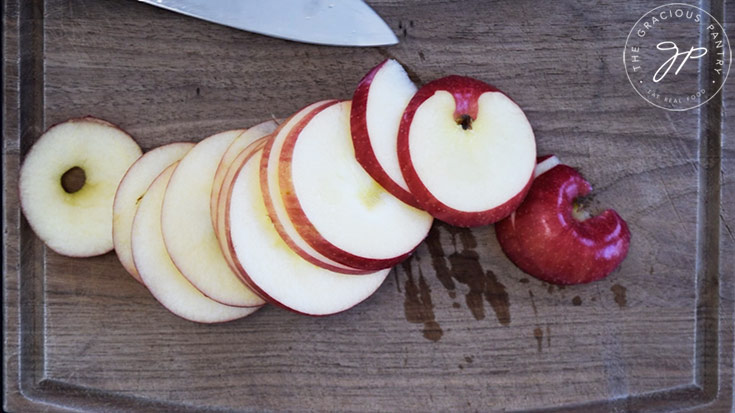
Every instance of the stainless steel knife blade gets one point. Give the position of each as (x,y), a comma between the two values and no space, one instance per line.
(327,22)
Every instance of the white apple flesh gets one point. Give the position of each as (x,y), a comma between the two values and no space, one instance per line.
(273,268)
(221,215)
(274,201)
(339,209)
(241,142)
(130,191)
(466,150)
(186,222)
(76,224)
(159,273)
(377,108)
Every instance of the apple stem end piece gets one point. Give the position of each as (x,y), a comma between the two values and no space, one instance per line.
(553,238)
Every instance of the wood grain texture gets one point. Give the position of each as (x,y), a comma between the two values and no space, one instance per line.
(455,328)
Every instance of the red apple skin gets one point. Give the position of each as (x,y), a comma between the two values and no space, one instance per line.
(466,92)
(305,227)
(545,240)
(361,140)
(269,202)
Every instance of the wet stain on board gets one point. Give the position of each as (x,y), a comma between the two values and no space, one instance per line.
(496,295)
(398,283)
(438,261)
(463,266)
(619,295)
(533,302)
(538,333)
(466,269)
(418,306)
(468,360)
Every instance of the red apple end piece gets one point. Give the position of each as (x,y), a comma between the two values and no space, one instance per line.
(549,238)
(466,150)
(377,108)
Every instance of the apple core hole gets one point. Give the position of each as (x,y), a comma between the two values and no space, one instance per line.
(579,213)
(73,179)
(465,121)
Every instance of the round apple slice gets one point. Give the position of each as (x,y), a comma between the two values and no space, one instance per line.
(130,191)
(335,205)
(274,202)
(273,268)
(75,221)
(241,142)
(466,150)
(187,227)
(377,108)
(221,221)
(160,274)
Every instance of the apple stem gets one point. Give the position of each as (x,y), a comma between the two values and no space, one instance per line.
(465,120)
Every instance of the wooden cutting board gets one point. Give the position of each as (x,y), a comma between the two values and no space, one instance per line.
(455,328)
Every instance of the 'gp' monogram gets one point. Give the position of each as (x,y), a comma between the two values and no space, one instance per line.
(664,46)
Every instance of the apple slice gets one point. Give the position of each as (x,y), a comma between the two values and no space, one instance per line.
(77,221)
(273,268)
(229,177)
(130,191)
(187,227)
(377,108)
(552,239)
(160,274)
(274,202)
(241,142)
(335,205)
(466,150)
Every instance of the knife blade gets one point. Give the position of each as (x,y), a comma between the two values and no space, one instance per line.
(325,22)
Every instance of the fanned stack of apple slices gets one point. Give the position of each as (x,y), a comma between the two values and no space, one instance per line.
(312,214)
(304,225)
